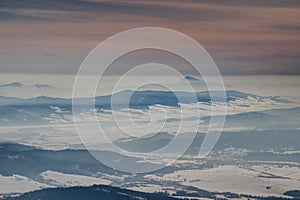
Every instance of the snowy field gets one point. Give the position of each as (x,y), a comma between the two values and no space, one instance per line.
(253,180)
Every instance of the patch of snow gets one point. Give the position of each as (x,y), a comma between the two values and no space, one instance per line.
(68,180)
(19,184)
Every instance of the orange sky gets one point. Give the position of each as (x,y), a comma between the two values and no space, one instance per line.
(253,37)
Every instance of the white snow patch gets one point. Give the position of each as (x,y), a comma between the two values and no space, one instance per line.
(19,184)
(68,180)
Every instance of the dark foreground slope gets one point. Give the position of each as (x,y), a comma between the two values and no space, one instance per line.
(96,192)
(104,192)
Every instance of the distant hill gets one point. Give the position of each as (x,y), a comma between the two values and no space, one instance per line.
(31,162)
(22,85)
(43,86)
(138,98)
(190,78)
(38,110)
(12,84)
(250,140)
(188,82)
(96,192)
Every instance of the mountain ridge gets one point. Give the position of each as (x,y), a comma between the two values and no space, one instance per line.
(94,192)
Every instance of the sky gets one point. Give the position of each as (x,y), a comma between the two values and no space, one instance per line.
(243,37)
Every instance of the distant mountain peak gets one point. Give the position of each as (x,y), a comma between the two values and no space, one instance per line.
(13,84)
(190,78)
(42,86)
